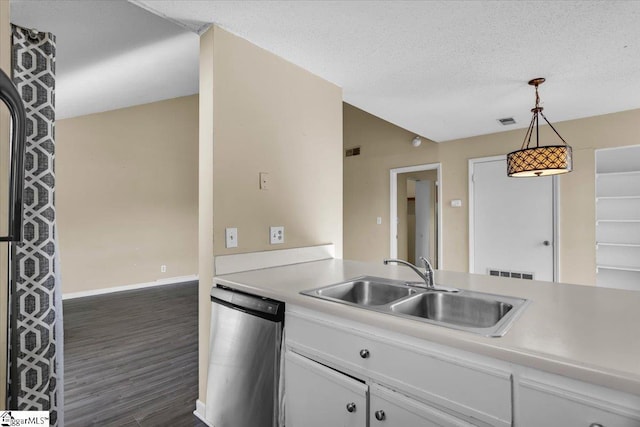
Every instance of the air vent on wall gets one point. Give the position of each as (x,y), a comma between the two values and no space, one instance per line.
(507,121)
(512,274)
(353,152)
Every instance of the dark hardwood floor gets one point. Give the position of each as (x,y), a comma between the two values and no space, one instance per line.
(131,358)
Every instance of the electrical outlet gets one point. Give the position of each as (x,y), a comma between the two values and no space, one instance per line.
(276,235)
(231,237)
(163,268)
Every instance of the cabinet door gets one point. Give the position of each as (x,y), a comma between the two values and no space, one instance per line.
(565,407)
(391,409)
(460,383)
(317,396)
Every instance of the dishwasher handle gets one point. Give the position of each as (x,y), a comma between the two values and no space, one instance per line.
(252,304)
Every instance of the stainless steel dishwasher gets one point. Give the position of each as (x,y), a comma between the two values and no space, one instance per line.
(244,359)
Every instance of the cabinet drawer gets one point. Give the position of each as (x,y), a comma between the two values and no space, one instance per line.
(468,388)
(330,345)
(543,404)
(389,408)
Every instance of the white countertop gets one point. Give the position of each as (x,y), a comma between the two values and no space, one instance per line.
(582,332)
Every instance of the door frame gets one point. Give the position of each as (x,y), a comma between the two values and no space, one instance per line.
(393,203)
(555,197)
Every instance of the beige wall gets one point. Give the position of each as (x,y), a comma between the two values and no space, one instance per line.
(5,64)
(126,195)
(269,116)
(367,193)
(384,146)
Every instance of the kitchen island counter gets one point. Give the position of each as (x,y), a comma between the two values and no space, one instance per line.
(582,332)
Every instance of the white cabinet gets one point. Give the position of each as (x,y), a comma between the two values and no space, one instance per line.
(563,402)
(405,382)
(618,217)
(389,408)
(463,386)
(317,396)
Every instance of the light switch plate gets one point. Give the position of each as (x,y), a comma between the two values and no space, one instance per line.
(276,235)
(264,181)
(457,203)
(231,238)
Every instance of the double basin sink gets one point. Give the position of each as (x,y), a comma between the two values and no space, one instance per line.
(477,312)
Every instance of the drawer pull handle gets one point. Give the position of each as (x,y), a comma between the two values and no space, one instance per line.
(380,415)
(351,407)
(364,353)
(595,425)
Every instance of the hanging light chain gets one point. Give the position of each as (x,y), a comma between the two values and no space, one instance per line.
(554,129)
(537,110)
(527,136)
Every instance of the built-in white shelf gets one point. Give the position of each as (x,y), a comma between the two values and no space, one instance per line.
(618,185)
(617,198)
(624,245)
(618,278)
(618,217)
(618,267)
(630,173)
(618,232)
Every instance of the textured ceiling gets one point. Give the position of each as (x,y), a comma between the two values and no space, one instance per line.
(441,69)
(447,69)
(112,54)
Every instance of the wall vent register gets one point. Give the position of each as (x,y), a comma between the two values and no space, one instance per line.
(511,274)
(507,121)
(352,152)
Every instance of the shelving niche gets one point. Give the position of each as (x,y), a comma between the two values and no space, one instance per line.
(618,217)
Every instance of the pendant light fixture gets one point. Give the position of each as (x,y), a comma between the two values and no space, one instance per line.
(539,160)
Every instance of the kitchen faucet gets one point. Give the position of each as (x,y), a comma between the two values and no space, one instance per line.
(427,276)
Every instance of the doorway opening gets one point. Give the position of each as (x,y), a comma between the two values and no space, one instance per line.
(416,213)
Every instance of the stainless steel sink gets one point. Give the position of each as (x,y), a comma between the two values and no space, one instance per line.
(456,309)
(365,291)
(485,314)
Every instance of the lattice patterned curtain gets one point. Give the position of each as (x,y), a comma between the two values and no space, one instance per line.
(35,355)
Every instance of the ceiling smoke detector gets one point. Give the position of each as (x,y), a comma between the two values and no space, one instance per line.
(507,121)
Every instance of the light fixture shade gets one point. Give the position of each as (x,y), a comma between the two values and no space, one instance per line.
(540,161)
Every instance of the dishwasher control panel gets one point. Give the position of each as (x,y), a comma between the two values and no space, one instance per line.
(243,301)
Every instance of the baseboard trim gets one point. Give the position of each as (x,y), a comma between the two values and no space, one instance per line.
(159,282)
(200,411)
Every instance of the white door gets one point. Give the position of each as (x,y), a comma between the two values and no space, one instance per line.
(423,221)
(319,397)
(389,408)
(511,221)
